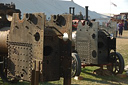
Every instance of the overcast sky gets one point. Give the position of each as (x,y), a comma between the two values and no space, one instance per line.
(103,6)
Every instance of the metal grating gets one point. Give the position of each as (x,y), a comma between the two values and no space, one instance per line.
(83,48)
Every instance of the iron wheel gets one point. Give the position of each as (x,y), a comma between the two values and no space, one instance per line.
(76,65)
(117,63)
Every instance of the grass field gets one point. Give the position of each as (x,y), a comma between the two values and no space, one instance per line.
(88,78)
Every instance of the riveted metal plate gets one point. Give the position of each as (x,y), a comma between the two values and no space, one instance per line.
(83,47)
(50,54)
(25,45)
(86,42)
(20,60)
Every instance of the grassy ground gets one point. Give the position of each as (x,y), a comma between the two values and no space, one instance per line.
(88,78)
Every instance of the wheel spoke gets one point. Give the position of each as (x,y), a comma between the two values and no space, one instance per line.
(74,62)
(117,63)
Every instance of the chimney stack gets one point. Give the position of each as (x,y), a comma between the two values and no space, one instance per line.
(72,10)
(86,10)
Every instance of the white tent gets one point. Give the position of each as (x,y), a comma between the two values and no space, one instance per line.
(50,7)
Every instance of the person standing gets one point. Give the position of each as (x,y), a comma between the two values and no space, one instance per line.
(117,28)
(120,28)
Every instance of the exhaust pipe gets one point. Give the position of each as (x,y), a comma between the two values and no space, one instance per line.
(86,10)
(72,9)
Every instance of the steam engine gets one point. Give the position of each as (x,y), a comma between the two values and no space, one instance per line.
(34,49)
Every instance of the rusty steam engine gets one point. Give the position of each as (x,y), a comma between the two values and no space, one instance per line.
(95,45)
(34,49)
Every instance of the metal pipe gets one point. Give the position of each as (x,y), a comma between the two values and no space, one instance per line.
(3,40)
(86,9)
(73,10)
(69,10)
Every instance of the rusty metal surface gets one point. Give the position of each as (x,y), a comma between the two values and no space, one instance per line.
(20,60)
(106,41)
(6,13)
(36,49)
(25,45)
(3,41)
(51,61)
(59,50)
(103,47)
(94,44)
(35,77)
(86,43)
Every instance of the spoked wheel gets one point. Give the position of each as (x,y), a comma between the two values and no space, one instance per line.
(76,65)
(117,63)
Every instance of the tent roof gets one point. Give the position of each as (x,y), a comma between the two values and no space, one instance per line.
(50,7)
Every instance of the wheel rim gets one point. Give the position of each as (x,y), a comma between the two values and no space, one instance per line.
(74,67)
(117,63)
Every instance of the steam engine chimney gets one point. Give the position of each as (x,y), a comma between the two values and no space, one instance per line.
(72,10)
(86,8)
